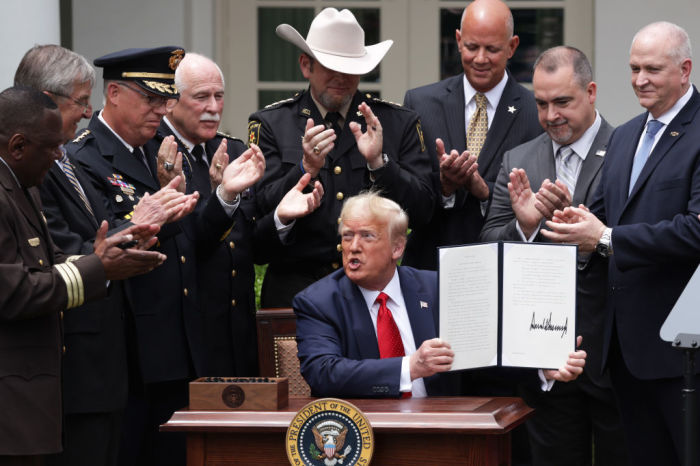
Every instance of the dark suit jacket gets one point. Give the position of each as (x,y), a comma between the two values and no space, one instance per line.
(337,342)
(33,296)
(536,157)
(167,320)
(94,366)
(655,237)
(441,108)
(225,273)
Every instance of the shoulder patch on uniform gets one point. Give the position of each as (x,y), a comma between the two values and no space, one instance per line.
(82,135)
(253,132)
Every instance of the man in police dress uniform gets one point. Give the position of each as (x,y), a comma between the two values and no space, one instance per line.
(228,311)
(166,348)
(38,282)
(348,140)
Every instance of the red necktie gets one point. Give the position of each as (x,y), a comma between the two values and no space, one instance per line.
(388,336)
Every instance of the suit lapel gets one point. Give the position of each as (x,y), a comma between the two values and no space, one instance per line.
(593,163)
(673,133)
(356,312)
(122,159)
(453,106)
(70,191)
(17,193)
(419,308)
(506,114)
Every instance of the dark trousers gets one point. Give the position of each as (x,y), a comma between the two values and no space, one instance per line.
(652,413)
(89,439)
(574,423)
(147,409)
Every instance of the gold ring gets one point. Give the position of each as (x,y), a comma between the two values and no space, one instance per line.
(317,150)
(218,165)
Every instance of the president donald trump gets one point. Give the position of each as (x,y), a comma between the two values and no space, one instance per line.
(369,329)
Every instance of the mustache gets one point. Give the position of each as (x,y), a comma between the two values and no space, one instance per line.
(557,122)
(206,116)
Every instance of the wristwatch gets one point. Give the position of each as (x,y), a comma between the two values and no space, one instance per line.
(604,246)
(385,160)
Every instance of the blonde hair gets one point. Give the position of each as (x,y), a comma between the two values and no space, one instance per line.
(379,208)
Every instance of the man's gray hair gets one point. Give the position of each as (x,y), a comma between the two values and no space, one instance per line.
(53,68)
(193,60)
(380,208)
(552,59)
(677,40)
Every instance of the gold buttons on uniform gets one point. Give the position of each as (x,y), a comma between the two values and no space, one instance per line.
(60,315)
(183,259)
(41,262)
(339,247)
(185,291)
(233,303)
(63,349)
(337,170)
(234,273)
(335,265)
(339,196)
(231,245)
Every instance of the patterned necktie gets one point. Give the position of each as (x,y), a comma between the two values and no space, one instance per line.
(568,163)
(70,174)
(200,172)
(141,157)
(478,126)
(640,158)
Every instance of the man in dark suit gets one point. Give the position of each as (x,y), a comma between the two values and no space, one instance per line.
(348,140)
(570,415)
(448,109)
(225,272)
(94,367)
(644,219)
(39,282)
(369,329)
(164,330)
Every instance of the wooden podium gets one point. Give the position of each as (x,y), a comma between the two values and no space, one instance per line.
(438,430)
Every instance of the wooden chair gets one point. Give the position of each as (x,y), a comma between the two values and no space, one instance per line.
(277,348)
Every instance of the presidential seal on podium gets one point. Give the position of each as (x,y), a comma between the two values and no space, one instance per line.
(329,432)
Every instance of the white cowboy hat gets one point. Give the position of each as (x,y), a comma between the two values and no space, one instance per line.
(337,41)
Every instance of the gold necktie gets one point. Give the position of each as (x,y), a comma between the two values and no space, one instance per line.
(478,126)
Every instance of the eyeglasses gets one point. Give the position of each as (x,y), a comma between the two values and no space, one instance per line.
(87,107)
(154,101)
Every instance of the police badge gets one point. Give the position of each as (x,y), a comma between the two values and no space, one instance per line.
(329,432)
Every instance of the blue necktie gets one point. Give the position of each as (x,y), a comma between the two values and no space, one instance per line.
(653,127)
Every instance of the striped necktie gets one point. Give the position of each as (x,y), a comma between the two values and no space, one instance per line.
(478,126)
(568,163)
(67,168)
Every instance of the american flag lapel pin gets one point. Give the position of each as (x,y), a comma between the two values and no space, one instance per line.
(423,305)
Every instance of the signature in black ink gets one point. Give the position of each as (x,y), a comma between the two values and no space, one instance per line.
(548,326)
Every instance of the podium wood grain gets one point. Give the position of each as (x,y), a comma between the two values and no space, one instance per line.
(440,430)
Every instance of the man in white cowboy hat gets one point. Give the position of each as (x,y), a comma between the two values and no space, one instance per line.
(347,140)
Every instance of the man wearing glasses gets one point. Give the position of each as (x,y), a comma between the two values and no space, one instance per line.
(164,341)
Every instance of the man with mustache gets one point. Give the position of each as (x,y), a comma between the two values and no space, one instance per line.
(225,272)
(347,140)
(556,169)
